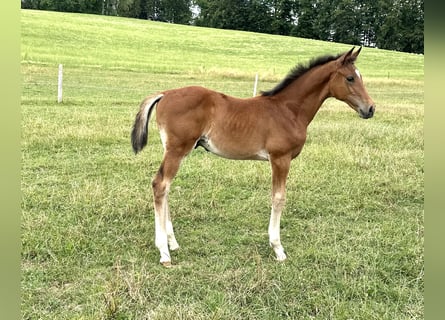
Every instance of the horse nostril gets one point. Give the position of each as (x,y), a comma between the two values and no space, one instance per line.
(371,109)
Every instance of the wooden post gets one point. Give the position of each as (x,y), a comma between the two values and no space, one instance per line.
(59,84)
(255,85)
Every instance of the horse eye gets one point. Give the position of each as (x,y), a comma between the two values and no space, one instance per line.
(350,78)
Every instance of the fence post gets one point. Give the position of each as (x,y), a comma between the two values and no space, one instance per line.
(255,85)
(59,84)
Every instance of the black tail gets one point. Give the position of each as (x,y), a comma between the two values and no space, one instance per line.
(139,134)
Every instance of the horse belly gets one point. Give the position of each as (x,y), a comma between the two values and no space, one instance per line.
(233,149)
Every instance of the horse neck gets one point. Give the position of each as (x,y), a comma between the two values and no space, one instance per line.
(307,93)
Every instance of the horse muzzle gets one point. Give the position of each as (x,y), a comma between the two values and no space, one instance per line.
(367,113)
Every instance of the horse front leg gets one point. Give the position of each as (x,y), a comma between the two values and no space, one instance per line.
(280,170)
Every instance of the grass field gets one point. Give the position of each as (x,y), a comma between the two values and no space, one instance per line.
(353,223)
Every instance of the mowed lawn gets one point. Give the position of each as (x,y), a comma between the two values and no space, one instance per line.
(352,228)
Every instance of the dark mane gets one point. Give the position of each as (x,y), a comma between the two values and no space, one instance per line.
(298,71)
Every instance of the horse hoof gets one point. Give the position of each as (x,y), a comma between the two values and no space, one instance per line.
(174,247)
(167,264)
(281,257)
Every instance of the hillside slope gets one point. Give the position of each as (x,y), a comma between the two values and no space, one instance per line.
(156,47)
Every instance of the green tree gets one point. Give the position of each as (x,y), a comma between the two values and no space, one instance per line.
(259,18)
(346,26)
(223,14)
(403,26)
(268,16)
(307,15)
(83,6)
(369,14)
(176,11)
(387,24)
(283,16)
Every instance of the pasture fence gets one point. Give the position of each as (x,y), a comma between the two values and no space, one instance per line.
(72,84)
(59,84)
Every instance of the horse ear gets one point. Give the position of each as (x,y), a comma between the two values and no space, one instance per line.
(349,57)
(355,54)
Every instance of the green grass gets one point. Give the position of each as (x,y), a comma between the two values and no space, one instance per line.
(353,222)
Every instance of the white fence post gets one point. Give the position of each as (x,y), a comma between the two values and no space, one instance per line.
(255,85)
(59,84)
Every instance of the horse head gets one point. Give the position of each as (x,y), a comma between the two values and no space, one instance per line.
(346,85)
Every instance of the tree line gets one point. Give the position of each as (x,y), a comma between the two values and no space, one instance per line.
(386,24)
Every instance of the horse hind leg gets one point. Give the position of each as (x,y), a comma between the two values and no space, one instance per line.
(164,235)
(171,239)
(163,226)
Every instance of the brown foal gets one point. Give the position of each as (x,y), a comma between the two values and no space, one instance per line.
(270,127)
